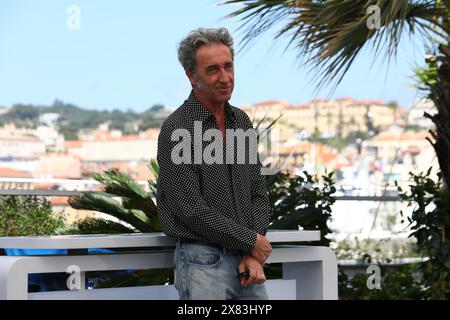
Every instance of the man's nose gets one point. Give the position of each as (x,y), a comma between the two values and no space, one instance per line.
(225,76)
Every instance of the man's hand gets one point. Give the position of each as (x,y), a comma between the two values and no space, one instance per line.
(262,249)
(255,271)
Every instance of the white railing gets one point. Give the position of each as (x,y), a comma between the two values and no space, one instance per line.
(68,187)
(309,272)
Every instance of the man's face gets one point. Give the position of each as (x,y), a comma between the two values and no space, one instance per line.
(213,80)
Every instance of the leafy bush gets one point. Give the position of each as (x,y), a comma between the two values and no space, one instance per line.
(430,225)
(401,283)
(136,210)
(30,215)
(301,202)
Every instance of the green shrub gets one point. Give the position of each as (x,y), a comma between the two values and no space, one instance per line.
(30,215)
(302,202)
(400,283)
(430,226)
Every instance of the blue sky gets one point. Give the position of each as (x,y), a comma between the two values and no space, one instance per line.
(124,57)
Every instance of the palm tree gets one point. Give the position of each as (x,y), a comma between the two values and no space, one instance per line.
(136,211)
(329,35)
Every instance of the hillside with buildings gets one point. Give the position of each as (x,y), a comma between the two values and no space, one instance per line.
(367,143)
(69,119)
(321,134)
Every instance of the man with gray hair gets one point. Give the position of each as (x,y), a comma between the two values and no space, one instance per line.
(218,212)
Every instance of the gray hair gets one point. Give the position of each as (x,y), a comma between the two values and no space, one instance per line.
(197,38)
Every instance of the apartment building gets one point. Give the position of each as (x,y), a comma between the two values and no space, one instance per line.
(397,152)
(20,146)
(102,149)
(338,117)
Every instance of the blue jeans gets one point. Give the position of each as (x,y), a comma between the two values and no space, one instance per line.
(204,272)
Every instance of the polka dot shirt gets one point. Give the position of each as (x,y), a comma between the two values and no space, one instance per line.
(224,202)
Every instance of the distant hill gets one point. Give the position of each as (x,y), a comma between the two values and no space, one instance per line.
(71,118)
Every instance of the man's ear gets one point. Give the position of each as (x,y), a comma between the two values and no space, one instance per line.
(190,75)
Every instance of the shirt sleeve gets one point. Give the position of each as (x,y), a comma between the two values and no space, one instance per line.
(260,204)
(181,187)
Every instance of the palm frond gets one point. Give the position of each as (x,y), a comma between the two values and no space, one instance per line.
(123,185)
(329,34)
(104,203)
(154,168)
(119,184)
(261,132)
(145,205)
(99,226)
(148,208)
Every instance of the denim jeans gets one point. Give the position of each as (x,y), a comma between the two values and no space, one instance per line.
(204,272)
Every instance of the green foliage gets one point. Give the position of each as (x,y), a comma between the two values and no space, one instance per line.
(154,168)
(136,212)
(73,118)
(104,203)
(430,225)
(400,283)
(157,108)
(148,121)
(101,226)
(301,202)
(427,76)
(358,135)
(22,115)
(135,209)
(329,35)
(25,216)
(434,81)
(335,142)
(70,132)
(414,128)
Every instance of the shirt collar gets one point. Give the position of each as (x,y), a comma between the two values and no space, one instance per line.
(200,112)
